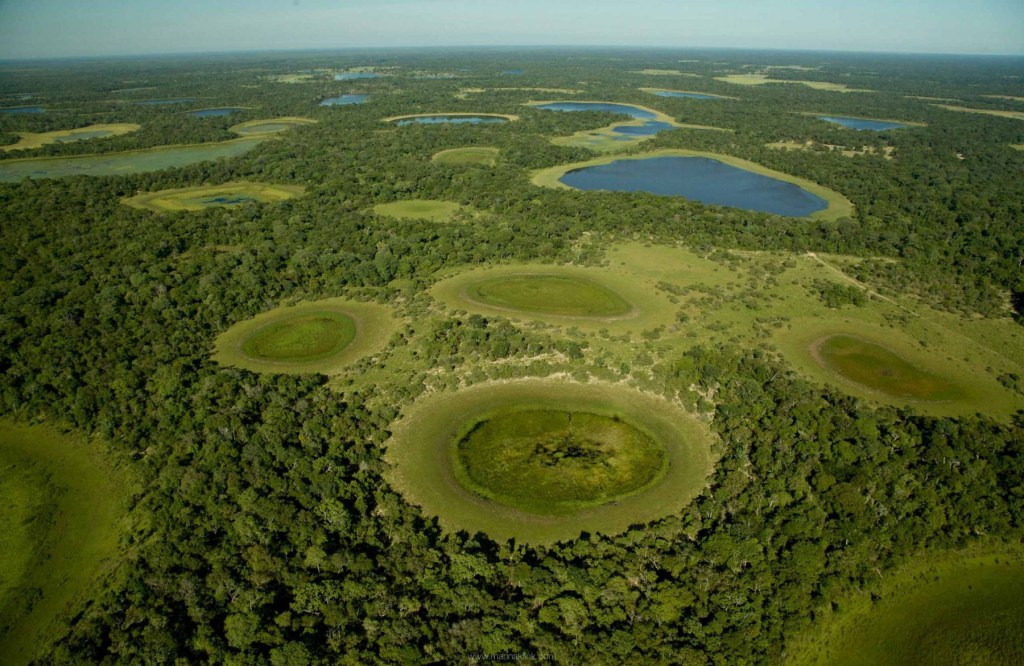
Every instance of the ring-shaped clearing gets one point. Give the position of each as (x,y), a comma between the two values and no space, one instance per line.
(473,155)
(206,196)
(319,336)
(270,125)
(589,298)
(506,459)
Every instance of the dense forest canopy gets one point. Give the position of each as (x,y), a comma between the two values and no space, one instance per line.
(263,529)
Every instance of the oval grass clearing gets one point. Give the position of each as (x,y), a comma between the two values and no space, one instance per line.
(878,368)
(419,209)
(30,140)
(554,462)
(270,125)
(561,295)
(62,511)
(206,196)
(943,609)
(317,336)
(470,155)
(447,447)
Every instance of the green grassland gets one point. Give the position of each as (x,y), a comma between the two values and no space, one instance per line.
(762,79)
(306,338)
(206,196)
(481,155)
(420,453)
(117,164)
(947,608)
(30,140)
(559,295)
(560,301)
(270,125)
(838,205)
(1016,115)
(812,146)
(1017,146)
(423,209)
(606,139)
(393,119)
(63,509)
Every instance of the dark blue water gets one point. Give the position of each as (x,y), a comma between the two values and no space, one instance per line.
(156,102)
(633,111)
(861,123)
(650,128)
(452,120)
(344,100)
(228,200)
(23,109)
(689,95)
(208,113)
(353,76)
(701,179)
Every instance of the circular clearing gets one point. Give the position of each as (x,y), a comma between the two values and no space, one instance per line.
(542,460)
(207,196)
(471,155)
(318,336)
(270,125)
(878,368)
(561,295)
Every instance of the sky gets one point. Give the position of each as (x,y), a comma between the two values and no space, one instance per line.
(68,28)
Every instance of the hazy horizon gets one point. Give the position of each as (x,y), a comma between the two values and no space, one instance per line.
(115,28)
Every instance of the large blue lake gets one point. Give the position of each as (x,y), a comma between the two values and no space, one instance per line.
(210,113)
(452,120)
(688,95)
(354,76)
(23,109)
(344,100)
(701,179)
(862,123)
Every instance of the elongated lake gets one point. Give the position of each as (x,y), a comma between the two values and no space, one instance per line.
(344,100)
(212,113)
(862,123)
(701,179)
(22,109)
(633,111)
(452,120)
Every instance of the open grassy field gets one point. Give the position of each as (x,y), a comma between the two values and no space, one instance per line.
(63,507)
(393,119)
(481,155)
(945,608)
(761,79)
(423,453)
(811,146)
(270,125)
(315,336)
(206,196)
(838,205)
(116,164)
(1009,97)
(1017,146)
(1016,115)
(606,139)
(422,209)
(30,140)
(587,298)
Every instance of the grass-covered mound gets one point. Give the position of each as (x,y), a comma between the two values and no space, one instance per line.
(270,125)
(559,295)
(198,198)
(878,368)
(541,460)
(475,155)
(419,209)
(553,462)
(30,140)
(61,508)
(945,610)
(318,336)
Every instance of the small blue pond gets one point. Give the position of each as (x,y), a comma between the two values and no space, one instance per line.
(353,76)
(862,123)
(688,95)
(701,179)
(228,200)
(23,109)
(344,100)
(633,111)
(158,102)
(210,113)
(452,120)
